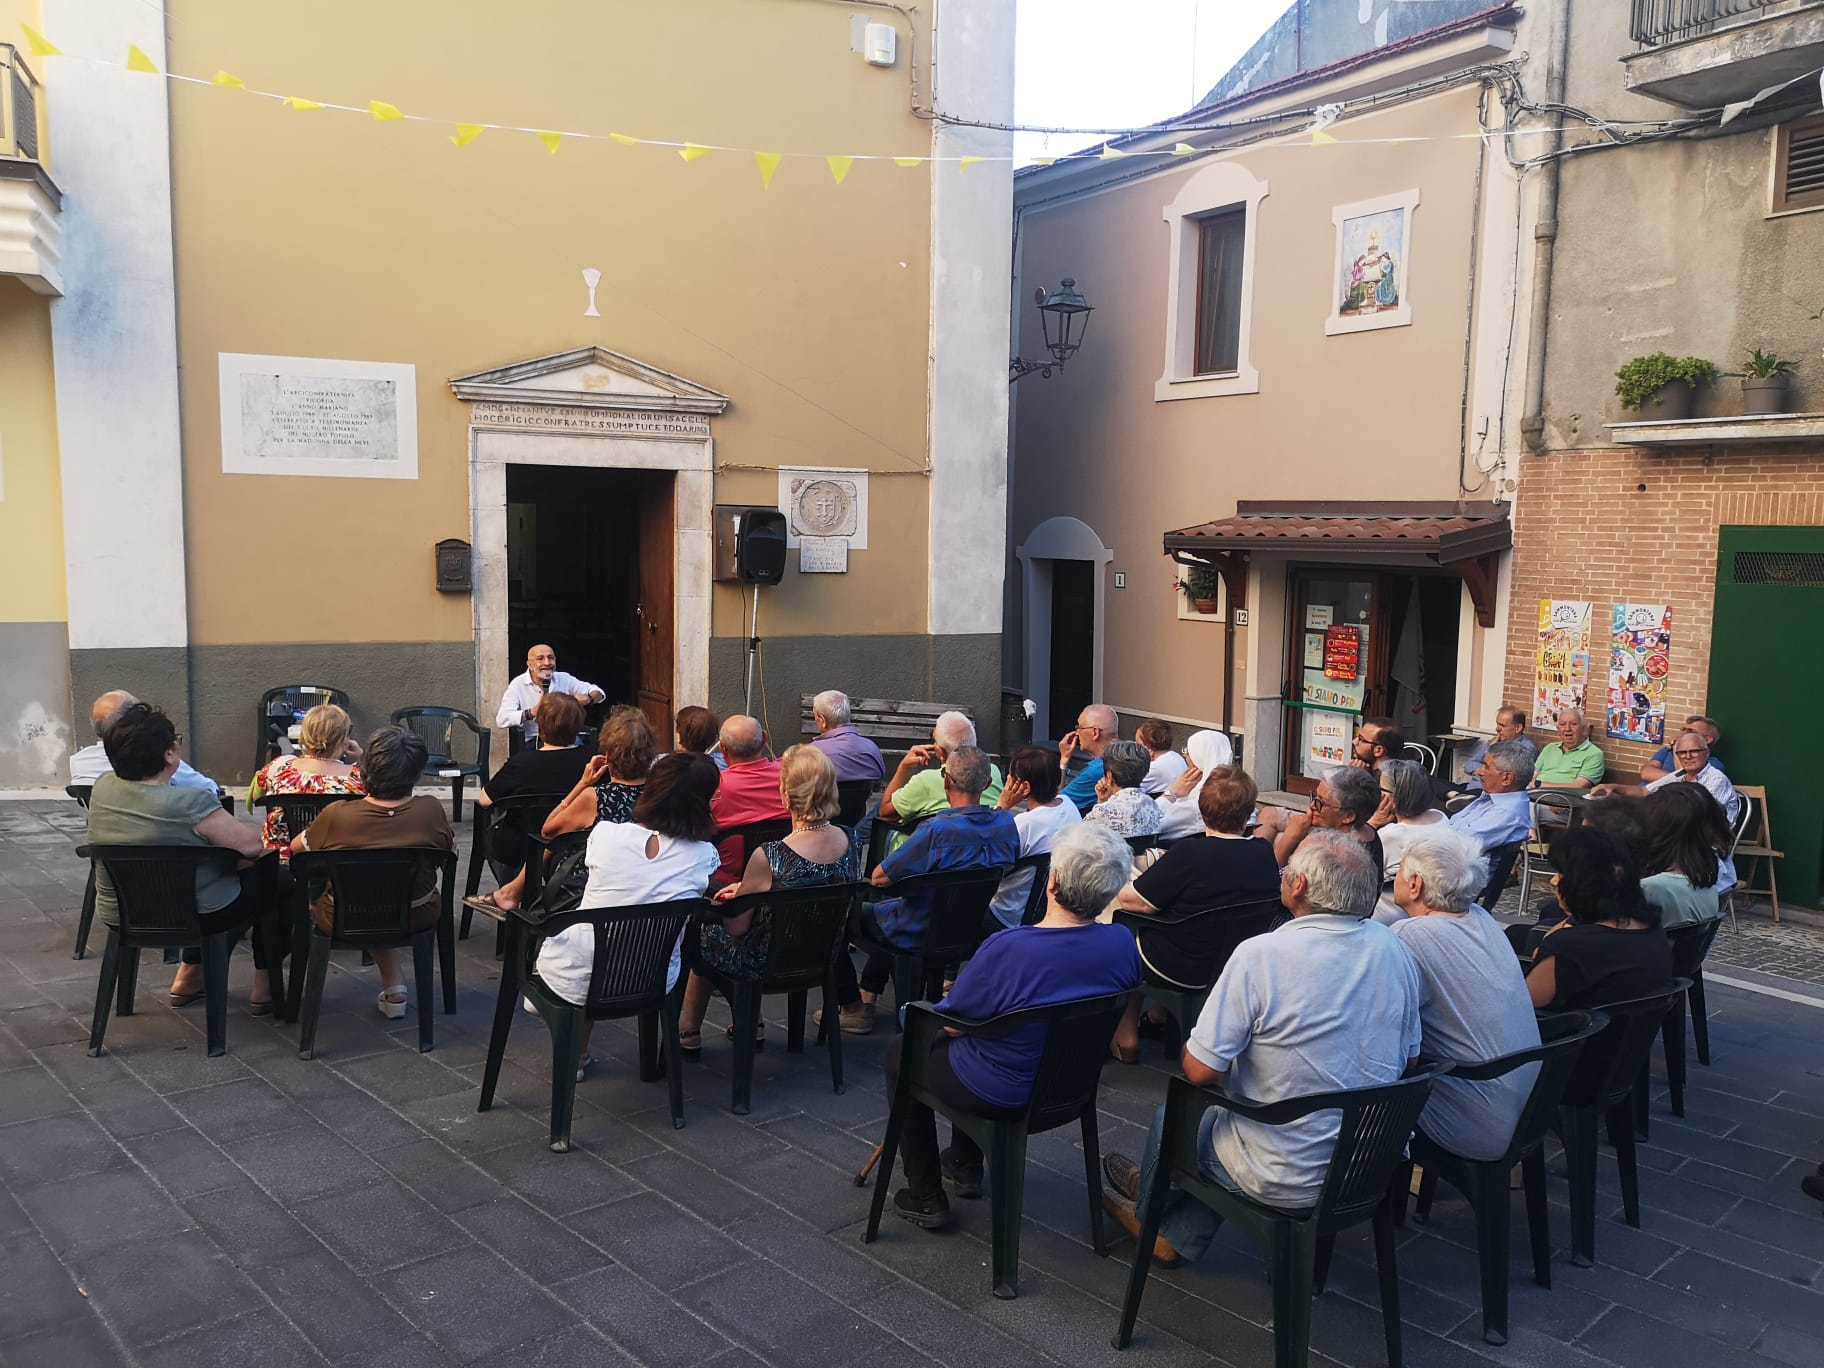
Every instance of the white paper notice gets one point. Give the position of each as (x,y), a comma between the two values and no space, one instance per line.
(823,555)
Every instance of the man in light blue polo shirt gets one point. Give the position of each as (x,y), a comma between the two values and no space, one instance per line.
(1328,1001)
(1499,817)
(1096,726)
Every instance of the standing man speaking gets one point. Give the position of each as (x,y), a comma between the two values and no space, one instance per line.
(541,677)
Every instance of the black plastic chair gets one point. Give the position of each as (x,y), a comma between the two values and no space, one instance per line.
(1139,845)
(1040,865)
(883,831)
(155,895)
(280,710)
(373,911)
(1602,1087)
(1501,861)
(1370,1141)
(1240,921)
(807,928)
(852,796)
(1690,944)
(453,755)
(958,922)
(1070,1071)
(1485,1182)
(300,809)
(754,835)
(526,813)
(627,979)
(81,792)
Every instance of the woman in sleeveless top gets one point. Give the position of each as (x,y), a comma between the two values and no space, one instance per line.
(817,852)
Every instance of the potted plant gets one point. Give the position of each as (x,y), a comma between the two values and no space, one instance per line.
(1664,388)
(1765,383)
(1201,585)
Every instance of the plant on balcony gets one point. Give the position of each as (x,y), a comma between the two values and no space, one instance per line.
(1201,585)
(1766,384)
(1663,387)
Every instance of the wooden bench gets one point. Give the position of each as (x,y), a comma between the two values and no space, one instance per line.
(893,724)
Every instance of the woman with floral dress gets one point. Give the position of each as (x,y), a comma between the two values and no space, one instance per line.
(326,762)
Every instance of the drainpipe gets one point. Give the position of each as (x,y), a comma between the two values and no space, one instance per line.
(1545,241)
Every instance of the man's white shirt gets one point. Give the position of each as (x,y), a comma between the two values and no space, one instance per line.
(523,695)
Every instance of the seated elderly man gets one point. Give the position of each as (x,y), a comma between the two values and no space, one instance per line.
(854,756)
(965,836)
(1572,761)
(1156,735)
(1026,966)
(91,762)
(1499,817)
(1510,725)
(1664,762)
(1121,806)
(1328,1001)
(1096,727)
(1692,753)
(519,704)
(917,788)
(749,791)
(1473,1003)
(1346,798)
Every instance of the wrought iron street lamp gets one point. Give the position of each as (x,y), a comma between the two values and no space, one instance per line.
(1064,314)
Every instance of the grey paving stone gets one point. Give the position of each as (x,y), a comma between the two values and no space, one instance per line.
(452,1118)
(364,1123)
(714,1199)
(529,1240)
(54,1148)
(834,1266)
(1628,1338)
(184,1162)
(1773,1299)
(779,1315)
(31,1093)
(260,1336)
(253,1228)
(1786,1230)
(446,1181)
(557,1184)
(37,1290)
(399,1076)
(934,1326)
(378,1227)
(302,1161)
(236,1110)
(1783,1344)
(639,1318)
(577,1347)
(76,1340)
(85,1215)
(340,1313)
(471,1302)
(657,1239)
(152,1290)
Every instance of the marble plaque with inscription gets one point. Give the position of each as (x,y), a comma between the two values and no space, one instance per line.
(285,415)
(823,555)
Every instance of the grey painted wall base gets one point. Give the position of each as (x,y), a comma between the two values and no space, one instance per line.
(37,726)
(159,675)
(942,669)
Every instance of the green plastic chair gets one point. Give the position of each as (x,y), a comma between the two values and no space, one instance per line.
(1240,921)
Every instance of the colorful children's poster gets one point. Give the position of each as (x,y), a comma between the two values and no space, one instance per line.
(1640,663)
(1561,676)
(1326,741)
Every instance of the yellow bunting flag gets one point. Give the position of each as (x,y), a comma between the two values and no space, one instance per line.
(839,167)
(1319,138)
(40,45)
(552,141)
(768,162)
(138,61)
(302,105)
(466,134)
(1044,161)
(908,161)
(967,162)
(382,111)
(691,151)
(1109,152)
(222,78)
(625,139)
(1183,150)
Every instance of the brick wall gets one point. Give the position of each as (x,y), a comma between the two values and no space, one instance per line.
(1622,525)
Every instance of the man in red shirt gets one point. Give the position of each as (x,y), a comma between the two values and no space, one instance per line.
(749,791)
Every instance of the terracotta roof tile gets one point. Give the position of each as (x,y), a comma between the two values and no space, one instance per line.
(1447,535)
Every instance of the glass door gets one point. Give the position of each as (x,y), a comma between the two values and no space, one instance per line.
(1335,669)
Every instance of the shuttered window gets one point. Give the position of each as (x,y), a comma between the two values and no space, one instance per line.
(1798,165)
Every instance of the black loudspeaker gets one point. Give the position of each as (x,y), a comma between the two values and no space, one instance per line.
(750,544)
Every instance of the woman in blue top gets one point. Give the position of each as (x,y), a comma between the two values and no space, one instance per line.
(1067,956)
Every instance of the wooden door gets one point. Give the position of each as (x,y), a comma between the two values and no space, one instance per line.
(654,626)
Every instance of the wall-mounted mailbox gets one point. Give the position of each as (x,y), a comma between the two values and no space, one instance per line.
(454,575)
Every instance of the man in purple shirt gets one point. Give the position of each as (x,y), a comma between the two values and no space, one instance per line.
(854,756)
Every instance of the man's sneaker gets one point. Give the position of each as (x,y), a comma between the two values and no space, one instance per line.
(932,1213)
(964,1180)
(856,1019)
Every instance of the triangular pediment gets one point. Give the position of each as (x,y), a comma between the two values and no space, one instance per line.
(586,377)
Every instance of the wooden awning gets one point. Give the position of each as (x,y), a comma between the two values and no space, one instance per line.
(1465,537)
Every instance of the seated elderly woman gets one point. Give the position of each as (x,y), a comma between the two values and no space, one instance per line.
(1033,794)
(387,817)
(698,730)
(1204,753)
(1346,798)
(664,852)
(1687,841)
(1223,869)
(817,852)
(555,765)
(137,805)
(1121,805)
(1609,948)
(1405,810)
(1067,956)
(327,762)
(1473,1003)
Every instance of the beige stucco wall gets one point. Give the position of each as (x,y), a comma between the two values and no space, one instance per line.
(323,234)
(31,512)
(1373,415)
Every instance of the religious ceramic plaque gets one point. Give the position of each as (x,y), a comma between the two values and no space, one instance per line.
(824,503)
(291,415)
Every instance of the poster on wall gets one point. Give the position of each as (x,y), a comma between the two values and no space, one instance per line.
(1561,676)
(1342,652)
(1327,737)
(1640,662)
(1319,686)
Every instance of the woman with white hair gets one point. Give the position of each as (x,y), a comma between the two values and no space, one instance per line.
(1473,1002)
(1178,812)
(1067,956)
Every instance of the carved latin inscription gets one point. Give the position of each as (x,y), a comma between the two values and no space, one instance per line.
(574,418)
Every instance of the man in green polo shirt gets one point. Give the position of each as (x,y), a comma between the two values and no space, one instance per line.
(1572,761)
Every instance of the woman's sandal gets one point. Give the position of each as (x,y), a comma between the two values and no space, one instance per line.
(1125,1055)
(484,903)
(690,1046)
(759,1036)
(583,1065)
(393,1011)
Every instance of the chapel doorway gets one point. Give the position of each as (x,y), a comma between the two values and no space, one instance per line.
(1073,641)
(590,553)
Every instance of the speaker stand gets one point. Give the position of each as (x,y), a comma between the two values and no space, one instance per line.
(753,651)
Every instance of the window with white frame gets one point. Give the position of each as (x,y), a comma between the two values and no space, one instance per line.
(1213,226)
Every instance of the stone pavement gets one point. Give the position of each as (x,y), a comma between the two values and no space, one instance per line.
(158,1207)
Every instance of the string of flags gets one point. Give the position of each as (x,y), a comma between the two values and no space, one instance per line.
(767,163)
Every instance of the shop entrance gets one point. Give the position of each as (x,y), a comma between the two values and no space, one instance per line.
(1366,643)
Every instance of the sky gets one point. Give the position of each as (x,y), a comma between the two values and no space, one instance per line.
(1094,63)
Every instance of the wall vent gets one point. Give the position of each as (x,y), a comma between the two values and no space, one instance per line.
(1794,568)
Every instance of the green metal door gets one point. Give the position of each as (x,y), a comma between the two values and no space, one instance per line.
(1766,658)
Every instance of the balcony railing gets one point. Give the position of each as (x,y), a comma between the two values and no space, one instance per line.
(18,106)
(1668,21)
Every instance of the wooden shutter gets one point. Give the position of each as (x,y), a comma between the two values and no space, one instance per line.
(1798,165)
